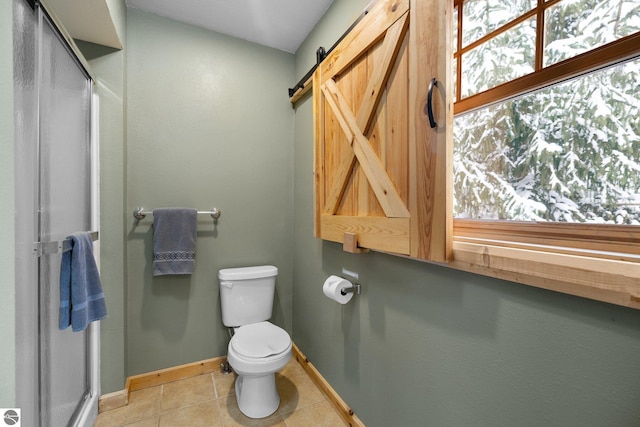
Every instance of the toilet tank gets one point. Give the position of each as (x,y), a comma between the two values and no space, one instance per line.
(246,294)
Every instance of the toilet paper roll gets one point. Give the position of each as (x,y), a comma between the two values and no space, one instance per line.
(332,289)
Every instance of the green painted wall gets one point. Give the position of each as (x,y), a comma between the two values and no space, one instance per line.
(108,66)
(192,118)
(7,237)
(428,346)
(208,124)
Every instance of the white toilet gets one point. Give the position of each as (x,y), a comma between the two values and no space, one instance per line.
(258,348)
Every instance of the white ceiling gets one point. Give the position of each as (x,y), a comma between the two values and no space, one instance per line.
(281,24)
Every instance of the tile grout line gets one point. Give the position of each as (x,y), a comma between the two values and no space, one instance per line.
(189,405)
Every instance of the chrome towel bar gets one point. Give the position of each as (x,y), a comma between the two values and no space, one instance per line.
(139,213)
(57,247)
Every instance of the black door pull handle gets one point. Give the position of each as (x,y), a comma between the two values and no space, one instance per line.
(432,120)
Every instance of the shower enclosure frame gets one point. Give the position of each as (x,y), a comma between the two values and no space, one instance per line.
(33,374)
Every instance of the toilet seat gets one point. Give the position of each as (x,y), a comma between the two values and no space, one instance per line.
(260,340)
(256,339)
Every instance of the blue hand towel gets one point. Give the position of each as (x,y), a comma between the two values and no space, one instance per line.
(174,240)
(81,297)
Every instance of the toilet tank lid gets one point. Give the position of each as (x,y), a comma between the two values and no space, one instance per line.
(244,273)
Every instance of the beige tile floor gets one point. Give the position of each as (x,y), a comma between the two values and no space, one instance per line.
(209,400)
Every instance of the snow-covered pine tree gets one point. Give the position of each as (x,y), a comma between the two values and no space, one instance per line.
(567,153)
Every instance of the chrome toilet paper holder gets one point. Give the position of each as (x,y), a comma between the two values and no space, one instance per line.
(355,289)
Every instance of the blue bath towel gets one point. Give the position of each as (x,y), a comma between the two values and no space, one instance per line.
(174,240)
(81,297)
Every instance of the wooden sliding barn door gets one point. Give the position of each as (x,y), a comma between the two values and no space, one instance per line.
(382,173)
(362,161)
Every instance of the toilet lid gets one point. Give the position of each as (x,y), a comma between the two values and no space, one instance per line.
(260,340)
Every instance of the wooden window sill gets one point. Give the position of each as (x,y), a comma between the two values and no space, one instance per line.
(603,279)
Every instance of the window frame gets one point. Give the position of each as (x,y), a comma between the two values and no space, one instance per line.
(600,57)
(602,240)
(596,261)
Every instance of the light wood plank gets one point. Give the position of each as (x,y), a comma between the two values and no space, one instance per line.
(335,108)
(337,148)
(386,234)
(342,172)
(298,94)
(611,241)
(336,192)
(611,281)
(343,409)
(368,31)
(383,188)
(348,203)
(376,137)
(554,246)
(359,74)
(350,244)
(151,379)
(395,152)
(318,151)
(390,48)
(431,149)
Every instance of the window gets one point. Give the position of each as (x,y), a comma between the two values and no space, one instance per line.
(546,131)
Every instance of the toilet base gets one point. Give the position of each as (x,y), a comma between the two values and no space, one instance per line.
(257,396)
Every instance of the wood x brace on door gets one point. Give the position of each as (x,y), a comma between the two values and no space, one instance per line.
(361,99)
(382,173)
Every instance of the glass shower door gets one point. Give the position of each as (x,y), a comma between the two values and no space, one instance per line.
(65,207)
(53,153)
